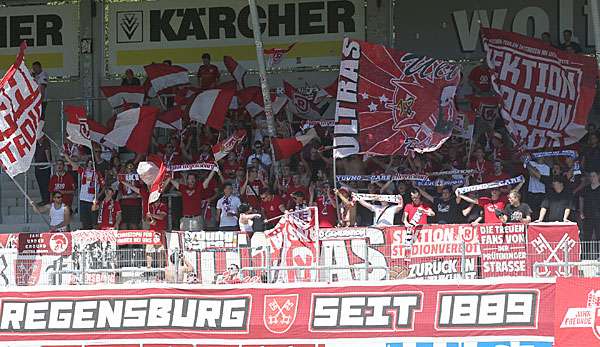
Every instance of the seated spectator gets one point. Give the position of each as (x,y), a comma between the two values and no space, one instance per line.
(557,205)
(516,211)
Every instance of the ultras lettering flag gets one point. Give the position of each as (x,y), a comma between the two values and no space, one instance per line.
(392,102)
(546,93)
(20,109)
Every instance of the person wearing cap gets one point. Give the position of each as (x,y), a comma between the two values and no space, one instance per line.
(558,204)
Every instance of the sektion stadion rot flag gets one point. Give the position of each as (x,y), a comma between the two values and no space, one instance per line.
(392,102)
(546,93)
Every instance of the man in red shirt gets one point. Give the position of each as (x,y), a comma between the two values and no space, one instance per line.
(272,206)
(109,215)
(492,206)
(208,74)
(62,182)
(192,194)
(479,78)
(416,211)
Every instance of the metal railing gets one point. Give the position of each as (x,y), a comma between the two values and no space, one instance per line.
(101,262)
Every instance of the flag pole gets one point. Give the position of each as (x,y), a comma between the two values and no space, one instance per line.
(95,173)
(337,200)
(262,72)
(29,200)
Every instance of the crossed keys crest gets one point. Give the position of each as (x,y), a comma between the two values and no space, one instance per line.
(542,246)
(280,312)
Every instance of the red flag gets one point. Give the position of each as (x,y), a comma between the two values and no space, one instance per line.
(236,70)
(163,76)
(133,129)
(210,107)
(546,93)
(286,148)
(251,98)
(119,95)
(170,119)
(185,95)
(21,108)
(327,92)
(300,105)
(158,185)
(276,54)
(77,127)
(222,149)
(392,102)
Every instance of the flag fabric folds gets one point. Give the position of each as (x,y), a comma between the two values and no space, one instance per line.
(78,130)
(222,149)
(20,108)
(287,147)
(133,129)
(119,95)
(170,119)
(210,107)
(163,76)
(301,105)
(236,70)
(546,93)
(251,99)
(391,102)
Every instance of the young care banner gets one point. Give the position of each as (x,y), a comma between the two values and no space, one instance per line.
(546,93)
(182,30)
(392,102)
(473,310)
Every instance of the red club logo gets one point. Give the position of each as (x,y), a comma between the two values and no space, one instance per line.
(84,129)
(280,312)
(302,103)
(58,243)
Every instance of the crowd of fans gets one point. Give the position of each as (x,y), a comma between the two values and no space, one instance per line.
(247,194)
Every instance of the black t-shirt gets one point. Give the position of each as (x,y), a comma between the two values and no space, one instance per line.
(445,211)
(475,213)
(515,214)
(591,202)
(592,159)
(556,204)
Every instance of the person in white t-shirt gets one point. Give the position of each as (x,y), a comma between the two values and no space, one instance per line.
(60,214)
(383,214)
(41,78)
(227,209)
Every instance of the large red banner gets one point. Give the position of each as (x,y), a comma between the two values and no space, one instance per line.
(577,310)
(275,312)
(553,243)
(546,93)
(392,102)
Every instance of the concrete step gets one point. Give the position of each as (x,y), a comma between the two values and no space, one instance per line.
(34,218)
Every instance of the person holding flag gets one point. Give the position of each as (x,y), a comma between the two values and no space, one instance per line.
(109,215)
(60,214)
(91,185)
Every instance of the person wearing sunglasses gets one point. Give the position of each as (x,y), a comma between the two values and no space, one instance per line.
(60,214)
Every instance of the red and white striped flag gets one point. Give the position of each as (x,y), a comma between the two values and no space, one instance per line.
(170,119)
(185,95)
(287,147)
(20,108)
(133,129)
(210,107)
(163,76)
(276,54)
(77,127)
(222,149)
(251,98)
(300,105)
(119,95)
(97,130)
(236,70)
(153,172)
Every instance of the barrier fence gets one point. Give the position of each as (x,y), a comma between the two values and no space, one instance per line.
(544,250)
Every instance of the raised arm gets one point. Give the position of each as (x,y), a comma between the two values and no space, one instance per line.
(71,162)
(366,204)
(206,181)
(425,194)
(466,198)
